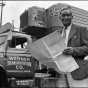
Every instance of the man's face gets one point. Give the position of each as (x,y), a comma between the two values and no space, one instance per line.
(66,17)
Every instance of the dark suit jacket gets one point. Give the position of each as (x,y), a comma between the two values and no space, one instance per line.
(78,39)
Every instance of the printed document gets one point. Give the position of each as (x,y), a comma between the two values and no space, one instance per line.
(48,50)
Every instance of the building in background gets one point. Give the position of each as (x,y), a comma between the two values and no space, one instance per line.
(33,21)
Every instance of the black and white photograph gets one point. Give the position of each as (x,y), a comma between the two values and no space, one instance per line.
(43,44)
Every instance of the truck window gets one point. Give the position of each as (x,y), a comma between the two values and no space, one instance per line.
(18,42)
(23,45)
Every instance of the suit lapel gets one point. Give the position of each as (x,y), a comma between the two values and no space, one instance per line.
(72,32)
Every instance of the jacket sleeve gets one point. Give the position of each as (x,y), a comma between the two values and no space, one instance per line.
(82,50)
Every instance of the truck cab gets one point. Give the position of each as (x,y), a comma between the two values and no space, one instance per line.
(20,64)
(17,61)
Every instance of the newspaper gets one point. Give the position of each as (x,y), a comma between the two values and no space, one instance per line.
(48,50)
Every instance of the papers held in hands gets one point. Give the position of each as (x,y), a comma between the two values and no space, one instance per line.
(48,50)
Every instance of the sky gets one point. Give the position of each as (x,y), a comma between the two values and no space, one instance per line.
(13,9)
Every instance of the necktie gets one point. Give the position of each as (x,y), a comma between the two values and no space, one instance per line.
(64,33)
(64,36)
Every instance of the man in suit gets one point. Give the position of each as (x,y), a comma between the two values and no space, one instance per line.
(76,38)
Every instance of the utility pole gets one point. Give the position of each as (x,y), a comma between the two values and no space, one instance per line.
(2,5)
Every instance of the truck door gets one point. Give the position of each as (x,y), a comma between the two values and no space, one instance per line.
(20,63)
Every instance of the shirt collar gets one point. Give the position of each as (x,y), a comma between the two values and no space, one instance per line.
(69,27)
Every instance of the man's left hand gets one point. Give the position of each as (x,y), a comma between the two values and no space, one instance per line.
(68,51)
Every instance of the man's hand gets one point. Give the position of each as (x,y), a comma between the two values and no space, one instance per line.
(68,51)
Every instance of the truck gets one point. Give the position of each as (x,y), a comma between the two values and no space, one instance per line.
(15,57)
